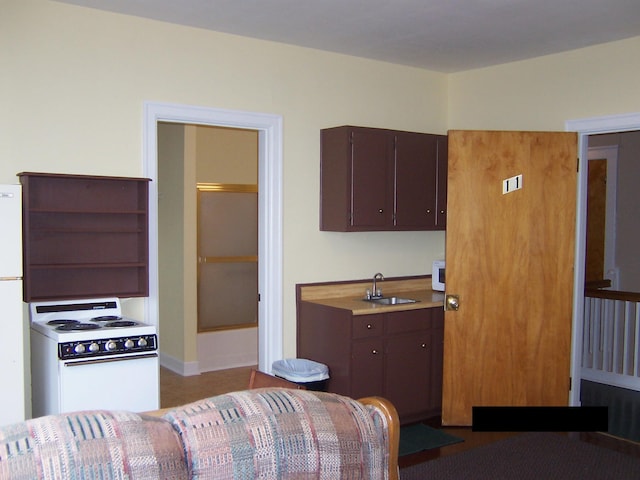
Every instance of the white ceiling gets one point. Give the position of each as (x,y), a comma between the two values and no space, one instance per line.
(439,35)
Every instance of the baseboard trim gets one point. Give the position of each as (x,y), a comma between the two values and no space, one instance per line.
(184,369)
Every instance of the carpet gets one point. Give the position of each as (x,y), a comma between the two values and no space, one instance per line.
(530,456)
(419,437)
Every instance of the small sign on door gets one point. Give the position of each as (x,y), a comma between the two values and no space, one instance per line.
(512,184)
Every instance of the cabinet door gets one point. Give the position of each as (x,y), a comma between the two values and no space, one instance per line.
(408,363)
(408,373)
(367,368)
(436,359)
(371,178)
(416,156)
(441,194)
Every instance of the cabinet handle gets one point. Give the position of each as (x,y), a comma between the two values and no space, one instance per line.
(369,326)
(423,345)
(374,351)
(442,212)
(428,210)
(381,210)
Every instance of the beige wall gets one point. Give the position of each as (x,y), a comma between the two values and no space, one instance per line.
(73,103)
(171,193)
(226,155)
(541,94)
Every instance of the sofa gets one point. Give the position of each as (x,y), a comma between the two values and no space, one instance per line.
(267,433)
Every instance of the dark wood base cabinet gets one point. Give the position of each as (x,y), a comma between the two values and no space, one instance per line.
(397,355)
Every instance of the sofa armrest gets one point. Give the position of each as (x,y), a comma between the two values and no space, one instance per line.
(287,434)
(389,412)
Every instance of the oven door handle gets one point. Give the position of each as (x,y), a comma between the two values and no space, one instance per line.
(93,361)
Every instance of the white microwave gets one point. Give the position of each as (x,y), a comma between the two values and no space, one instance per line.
(437,276)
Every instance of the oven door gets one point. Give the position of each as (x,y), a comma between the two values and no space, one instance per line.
(111,383)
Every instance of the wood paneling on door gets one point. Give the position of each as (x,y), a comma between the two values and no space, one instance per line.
(510,258)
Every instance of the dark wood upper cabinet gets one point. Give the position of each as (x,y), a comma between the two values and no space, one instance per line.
(84,236)
(378,180)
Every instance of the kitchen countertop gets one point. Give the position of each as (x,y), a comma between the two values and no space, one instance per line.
(350,295)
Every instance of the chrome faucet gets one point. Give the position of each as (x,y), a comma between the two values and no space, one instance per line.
(375,291)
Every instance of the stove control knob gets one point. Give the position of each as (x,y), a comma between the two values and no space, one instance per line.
(94,347)
(79,348)
(142,342)
(129,343)
(110,346)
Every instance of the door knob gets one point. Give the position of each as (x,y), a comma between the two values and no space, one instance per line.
(452,302)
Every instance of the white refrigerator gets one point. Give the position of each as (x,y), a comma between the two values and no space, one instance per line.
(14,330)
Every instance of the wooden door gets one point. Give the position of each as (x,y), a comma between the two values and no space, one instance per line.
(510,259)
(596,220)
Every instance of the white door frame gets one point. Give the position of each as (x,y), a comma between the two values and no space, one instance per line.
(586,127)
(269,127)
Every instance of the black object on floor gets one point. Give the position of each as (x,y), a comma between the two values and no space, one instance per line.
(420,437)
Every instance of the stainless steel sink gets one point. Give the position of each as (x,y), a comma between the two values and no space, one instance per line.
(390,300)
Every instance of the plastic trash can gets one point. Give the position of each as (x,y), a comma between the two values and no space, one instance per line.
(311,375)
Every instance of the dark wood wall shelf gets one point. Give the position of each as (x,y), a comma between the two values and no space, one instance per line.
(84,236)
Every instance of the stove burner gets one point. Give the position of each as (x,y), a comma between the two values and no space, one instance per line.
(62,321)
(70,327)
(106,318)
(120,324)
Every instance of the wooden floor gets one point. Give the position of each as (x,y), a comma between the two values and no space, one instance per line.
(176,390)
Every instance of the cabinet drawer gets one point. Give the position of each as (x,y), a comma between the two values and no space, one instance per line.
(365,326)
(408,321)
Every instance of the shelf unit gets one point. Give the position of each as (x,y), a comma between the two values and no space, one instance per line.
(84,236)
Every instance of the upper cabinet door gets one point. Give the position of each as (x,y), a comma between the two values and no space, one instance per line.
(371,178)
(441,179)
(416,168)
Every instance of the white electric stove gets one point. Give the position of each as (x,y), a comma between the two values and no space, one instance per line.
(86,356)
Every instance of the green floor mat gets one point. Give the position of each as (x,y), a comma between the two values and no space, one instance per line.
(419,437)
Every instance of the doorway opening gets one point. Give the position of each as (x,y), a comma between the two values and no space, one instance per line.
(226,173)
(269,127)
(586,128)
